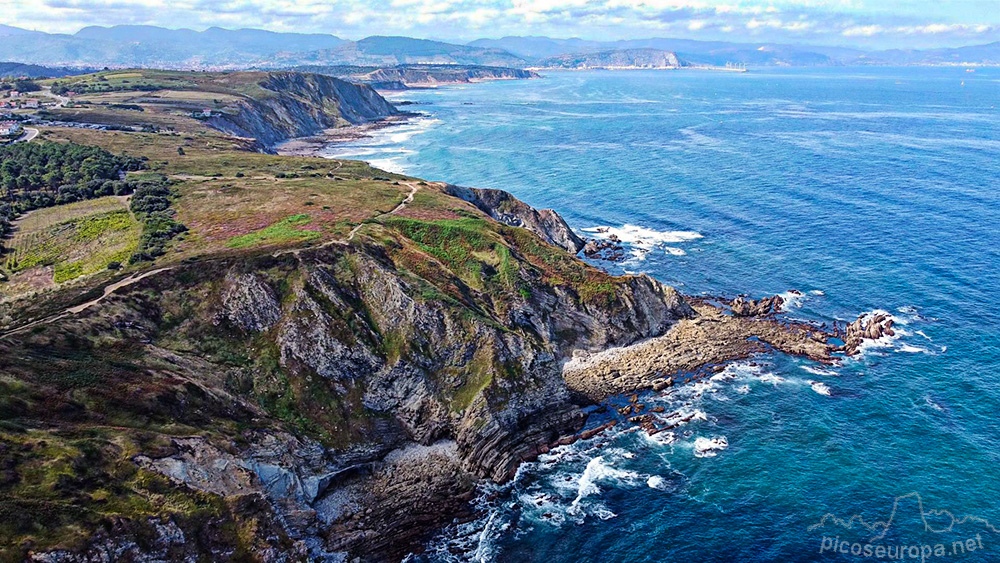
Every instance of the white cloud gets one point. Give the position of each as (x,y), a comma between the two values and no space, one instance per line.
(773,20)
(863,31)
(798,26)
(938,28)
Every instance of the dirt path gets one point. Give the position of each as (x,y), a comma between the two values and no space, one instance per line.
(76,309)
(402,205)
(134,278)
(350,236)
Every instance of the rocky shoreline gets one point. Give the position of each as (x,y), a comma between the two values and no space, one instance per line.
(313,145)
(414,461)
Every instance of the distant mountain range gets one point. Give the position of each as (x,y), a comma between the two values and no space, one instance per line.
(754,54)
(149,46)
(390,51)
(19,70)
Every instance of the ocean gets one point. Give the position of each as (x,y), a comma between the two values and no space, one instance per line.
(865,189)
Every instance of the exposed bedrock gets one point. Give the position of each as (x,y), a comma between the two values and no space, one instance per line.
(507,209)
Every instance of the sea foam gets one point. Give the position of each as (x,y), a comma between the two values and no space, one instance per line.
(643,240)
(710,447)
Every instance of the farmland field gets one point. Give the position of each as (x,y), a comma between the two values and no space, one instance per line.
(58,244)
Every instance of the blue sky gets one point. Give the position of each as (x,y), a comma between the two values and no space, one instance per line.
(867,23)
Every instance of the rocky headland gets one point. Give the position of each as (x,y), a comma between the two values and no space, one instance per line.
(402,77)
(300,105)
(343,401)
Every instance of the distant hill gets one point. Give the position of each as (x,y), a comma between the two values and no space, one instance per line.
(218,49)
(754,54)
(8,31)
(149,46)
(980,54)
(405,76)
(389,51)
(36,71)
(622,58)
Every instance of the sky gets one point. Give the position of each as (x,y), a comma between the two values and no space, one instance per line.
(863,23)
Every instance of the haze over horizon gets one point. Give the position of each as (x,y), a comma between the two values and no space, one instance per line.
(848,23)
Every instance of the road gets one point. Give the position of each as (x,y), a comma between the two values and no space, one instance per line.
(30,133)
(134,278)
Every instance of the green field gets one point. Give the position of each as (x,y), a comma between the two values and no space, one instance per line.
(61,243)
(286,230)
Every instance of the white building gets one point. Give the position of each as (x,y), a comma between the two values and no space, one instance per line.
(9,128)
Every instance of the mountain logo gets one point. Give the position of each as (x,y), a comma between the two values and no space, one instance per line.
(880,527)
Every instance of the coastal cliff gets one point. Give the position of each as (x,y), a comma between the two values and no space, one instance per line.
(616,59)
(417,75)
(299,105)
(509,210)
(339,402)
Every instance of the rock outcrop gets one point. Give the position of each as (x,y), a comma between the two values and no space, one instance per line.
(709,338)
(743,307)
(866,327)
(509,210)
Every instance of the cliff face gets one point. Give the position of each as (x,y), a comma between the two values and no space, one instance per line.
(403,76)
(299,105)
(623,58)
(509,210)
(341,401)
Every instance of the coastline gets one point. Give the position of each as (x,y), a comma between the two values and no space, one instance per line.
(314,144)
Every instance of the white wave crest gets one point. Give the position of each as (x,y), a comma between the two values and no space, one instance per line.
(819,371)
(710,447)
(643,240)
(792,298)
(820,387)
(772,379)
(595,472)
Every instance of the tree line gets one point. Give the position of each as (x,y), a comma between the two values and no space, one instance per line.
(36,175)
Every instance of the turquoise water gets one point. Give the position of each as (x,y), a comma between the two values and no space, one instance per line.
(866,189)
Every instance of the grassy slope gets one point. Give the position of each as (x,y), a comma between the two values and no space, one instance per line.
(66,435)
